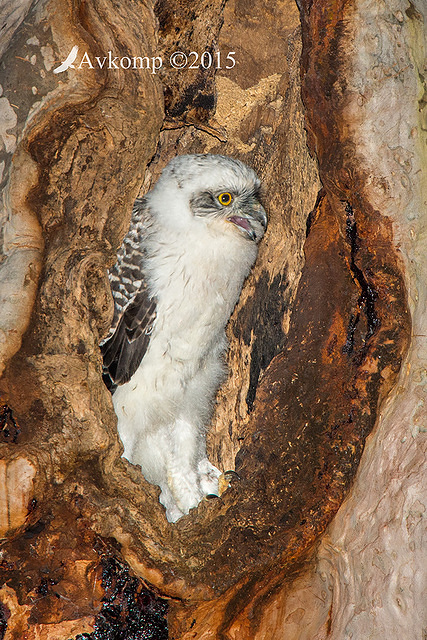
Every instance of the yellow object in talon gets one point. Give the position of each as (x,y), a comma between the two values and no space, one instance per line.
(226,479)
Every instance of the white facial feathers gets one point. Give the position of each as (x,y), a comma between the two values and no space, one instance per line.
(193,184)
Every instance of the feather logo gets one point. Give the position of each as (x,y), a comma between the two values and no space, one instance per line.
(68,62)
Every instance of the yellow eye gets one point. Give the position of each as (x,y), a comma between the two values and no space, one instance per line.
(225,198)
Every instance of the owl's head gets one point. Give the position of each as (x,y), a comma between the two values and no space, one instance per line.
(212,188)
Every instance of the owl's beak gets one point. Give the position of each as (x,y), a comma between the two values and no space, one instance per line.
(258,213)
(253,221)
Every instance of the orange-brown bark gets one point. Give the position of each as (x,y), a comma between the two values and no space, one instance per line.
(314,347)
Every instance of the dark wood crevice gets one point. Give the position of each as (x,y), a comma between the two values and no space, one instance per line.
(366,301)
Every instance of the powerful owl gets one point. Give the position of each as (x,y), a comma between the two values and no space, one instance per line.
(192,241)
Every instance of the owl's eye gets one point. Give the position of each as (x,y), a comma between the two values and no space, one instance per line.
(225,198)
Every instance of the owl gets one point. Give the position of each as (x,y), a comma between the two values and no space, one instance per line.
(192,242)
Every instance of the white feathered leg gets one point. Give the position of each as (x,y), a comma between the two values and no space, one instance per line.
(182,465)
(189,476)
(173,513)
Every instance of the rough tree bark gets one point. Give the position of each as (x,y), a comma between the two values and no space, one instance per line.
(306,545)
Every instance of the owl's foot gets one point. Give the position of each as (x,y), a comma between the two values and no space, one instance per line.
(227,479)
(183,491)
(208,477)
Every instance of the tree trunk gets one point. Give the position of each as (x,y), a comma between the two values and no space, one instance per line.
(326,342)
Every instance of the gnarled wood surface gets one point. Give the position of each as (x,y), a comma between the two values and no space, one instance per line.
(316,343)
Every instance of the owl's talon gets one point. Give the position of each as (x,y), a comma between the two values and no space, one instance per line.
(232,476)
(226,480)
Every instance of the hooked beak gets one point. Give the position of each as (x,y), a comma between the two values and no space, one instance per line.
(253,221)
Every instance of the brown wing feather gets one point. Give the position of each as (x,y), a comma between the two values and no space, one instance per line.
(134,309)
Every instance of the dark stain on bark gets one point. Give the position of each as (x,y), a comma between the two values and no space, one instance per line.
(9,427)
(260,322)
(198,96)
(189,92)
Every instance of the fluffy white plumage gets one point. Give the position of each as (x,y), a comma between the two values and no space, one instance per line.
(192,241)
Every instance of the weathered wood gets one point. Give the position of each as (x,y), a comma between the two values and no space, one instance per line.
(314,346)
(368,576)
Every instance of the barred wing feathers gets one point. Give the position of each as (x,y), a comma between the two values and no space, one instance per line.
(134,308)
